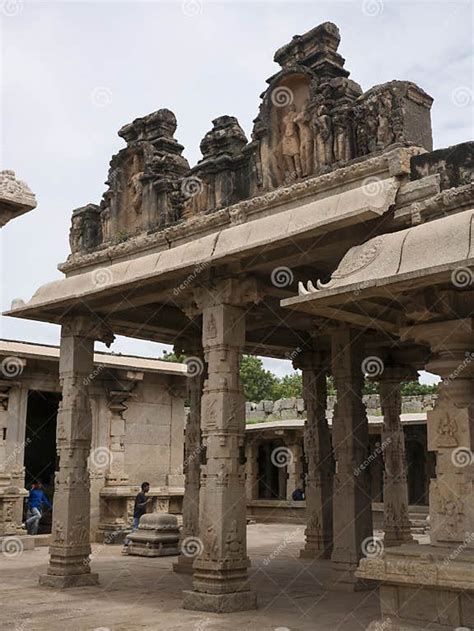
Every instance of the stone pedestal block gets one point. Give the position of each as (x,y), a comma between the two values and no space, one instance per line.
(157,535)
(220,603)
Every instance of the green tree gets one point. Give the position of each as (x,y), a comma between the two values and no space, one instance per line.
(170,356)
(413,388)
(287,387)
(258,383)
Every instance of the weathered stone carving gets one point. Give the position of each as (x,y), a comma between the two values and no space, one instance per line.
(312,119)
(85,233)
(15,197)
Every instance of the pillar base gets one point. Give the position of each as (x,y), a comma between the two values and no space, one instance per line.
(314,553)
(424,587)
(71,580)
(184,565)
(219,603)
(343,579)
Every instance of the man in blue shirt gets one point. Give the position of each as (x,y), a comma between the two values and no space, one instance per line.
(36,499)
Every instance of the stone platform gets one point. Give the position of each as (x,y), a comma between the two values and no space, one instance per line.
(145,594)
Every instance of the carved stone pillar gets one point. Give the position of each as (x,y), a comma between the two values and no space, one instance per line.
(193,453)
(13,402)
(251,468)
(221,582)
(352,510)
(295,468)
(432,586)
(319,458)
(70,548)
(116,475)
(395,491)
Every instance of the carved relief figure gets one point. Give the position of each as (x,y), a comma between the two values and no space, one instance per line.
(384,130)
(447,432)
(323,137)
(233,542)
(105,224)
(306,142)
(135,184)
(290,144)
(75,233)
(371,123)
(342,136)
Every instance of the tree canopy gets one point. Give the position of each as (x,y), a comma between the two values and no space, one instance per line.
(261,384)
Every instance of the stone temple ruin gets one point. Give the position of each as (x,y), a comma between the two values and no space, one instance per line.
(336,237)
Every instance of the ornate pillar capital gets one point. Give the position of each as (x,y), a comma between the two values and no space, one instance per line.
(90,327)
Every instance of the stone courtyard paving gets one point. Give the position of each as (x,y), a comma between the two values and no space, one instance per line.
(141,593)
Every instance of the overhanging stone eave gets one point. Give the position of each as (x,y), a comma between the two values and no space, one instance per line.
(319,216)
(336,301)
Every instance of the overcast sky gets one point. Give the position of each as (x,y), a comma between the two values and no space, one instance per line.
(74,72)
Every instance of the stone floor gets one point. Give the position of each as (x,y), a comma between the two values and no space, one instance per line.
(141,593)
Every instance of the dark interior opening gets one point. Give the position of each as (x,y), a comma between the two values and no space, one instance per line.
(40,445)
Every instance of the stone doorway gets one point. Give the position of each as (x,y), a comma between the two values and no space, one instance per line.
(272,478)
(40,445)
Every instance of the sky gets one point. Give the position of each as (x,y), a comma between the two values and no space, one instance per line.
(72,73)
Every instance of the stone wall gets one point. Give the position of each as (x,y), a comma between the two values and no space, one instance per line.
(293,408)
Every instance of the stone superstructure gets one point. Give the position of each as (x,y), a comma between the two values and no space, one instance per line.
(337,191)
(15,197)
(312,120)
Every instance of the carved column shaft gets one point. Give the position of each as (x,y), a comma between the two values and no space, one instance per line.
(295,468)
(70,548)
(193,453)
(220,572)
(451,432)
(318,452)
(395,491)
(352,504)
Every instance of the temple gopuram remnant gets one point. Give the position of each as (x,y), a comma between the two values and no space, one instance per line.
(336,237)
